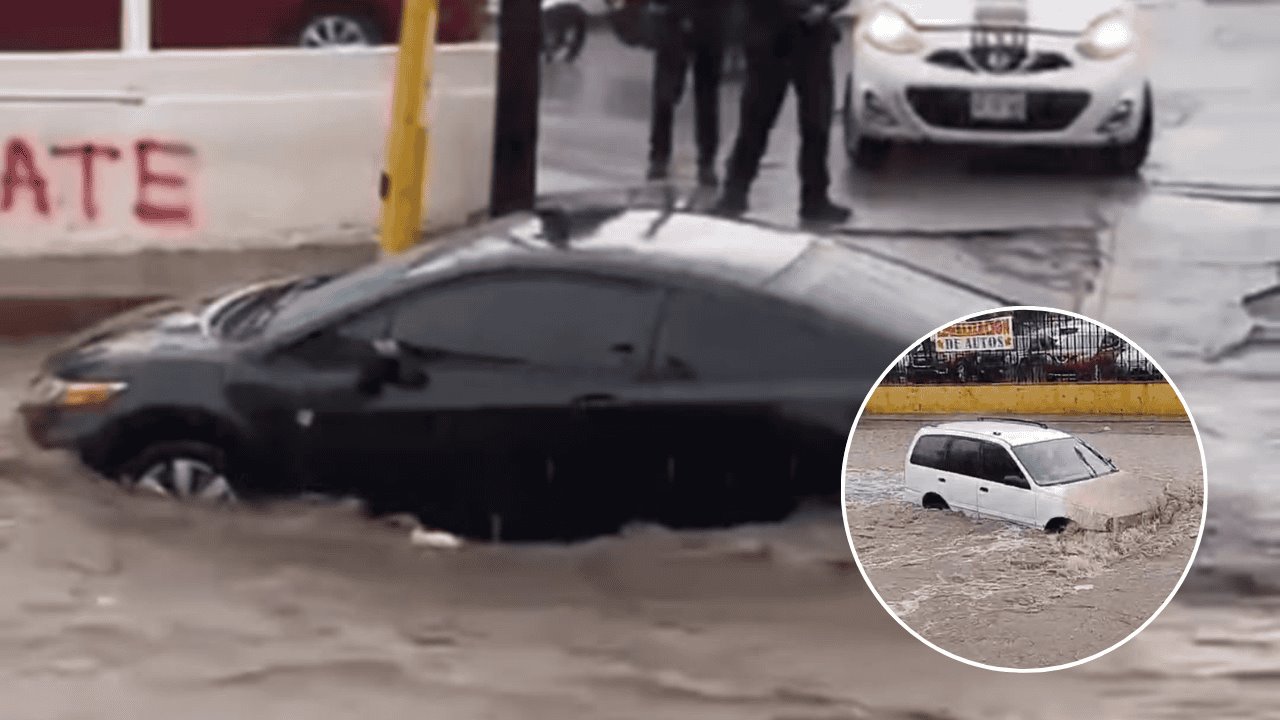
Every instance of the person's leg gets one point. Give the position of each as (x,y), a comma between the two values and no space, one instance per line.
(813,77)
(762,96)
(708,66)
(670,63)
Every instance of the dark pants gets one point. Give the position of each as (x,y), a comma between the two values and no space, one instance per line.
(702,46)
(799,58)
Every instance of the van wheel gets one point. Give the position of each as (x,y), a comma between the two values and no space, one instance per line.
(1058,526)
(934,501)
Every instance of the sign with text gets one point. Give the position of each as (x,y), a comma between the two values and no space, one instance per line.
(994,335)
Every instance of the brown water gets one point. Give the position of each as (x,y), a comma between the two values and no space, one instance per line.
(115,607)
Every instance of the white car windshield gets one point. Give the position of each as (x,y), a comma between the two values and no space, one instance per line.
(1067,460)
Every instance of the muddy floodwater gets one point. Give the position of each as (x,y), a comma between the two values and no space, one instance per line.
(117,608)
(1012,596)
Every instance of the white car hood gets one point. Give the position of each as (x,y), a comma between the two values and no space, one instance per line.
(1120,494)
(1056,15)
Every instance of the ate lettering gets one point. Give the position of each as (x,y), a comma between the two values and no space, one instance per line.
(20,173)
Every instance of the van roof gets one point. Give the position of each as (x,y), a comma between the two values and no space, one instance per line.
(1008,432)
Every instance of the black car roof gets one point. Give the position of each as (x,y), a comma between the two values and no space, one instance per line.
(625,230)
(740,253)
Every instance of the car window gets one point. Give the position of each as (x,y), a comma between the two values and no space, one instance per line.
(551,320)
(930,451)
(997,463)
(964,456)
(733,336)
(347,342)
(368,282)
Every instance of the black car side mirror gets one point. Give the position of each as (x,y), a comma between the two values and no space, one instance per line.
(375,372)
(1017,481)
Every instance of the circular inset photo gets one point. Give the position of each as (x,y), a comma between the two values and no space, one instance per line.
(1024,490)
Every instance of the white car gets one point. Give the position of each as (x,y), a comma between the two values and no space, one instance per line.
(1026,473)
(999,73)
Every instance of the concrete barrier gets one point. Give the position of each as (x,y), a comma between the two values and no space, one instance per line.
(104,153)
(1103,399)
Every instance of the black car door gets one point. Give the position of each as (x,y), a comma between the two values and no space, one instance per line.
(514,362)
(748,402)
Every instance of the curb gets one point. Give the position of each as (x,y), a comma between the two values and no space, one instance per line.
(28,318)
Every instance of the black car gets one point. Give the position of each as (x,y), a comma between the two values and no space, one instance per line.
(553,372)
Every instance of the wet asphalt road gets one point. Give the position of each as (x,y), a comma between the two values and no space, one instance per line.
(1037,228)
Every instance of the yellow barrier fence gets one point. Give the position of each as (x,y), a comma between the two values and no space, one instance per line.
(1146,399)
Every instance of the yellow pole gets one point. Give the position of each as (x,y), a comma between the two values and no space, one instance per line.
(404,178)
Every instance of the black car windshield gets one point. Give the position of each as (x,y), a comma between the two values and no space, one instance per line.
(378,278)
(1067,460)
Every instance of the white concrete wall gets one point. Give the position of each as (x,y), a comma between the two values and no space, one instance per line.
(253,147)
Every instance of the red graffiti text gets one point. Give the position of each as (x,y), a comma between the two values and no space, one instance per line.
(159,179)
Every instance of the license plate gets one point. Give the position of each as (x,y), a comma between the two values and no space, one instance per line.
(998,105)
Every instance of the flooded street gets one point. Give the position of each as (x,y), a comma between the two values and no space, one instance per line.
(117,607)
(1011,596)
(120,607)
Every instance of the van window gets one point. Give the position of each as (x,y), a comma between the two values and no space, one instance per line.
(964,456)
(930,451)
(997,463)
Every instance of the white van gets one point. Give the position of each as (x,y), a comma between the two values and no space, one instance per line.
(1027,473)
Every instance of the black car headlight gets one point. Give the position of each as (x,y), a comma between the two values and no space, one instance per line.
(52,391)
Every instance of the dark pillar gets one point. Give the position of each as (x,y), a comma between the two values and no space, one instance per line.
(515,141)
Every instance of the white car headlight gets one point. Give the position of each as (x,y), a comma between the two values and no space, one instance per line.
(1110,36)
(889,29)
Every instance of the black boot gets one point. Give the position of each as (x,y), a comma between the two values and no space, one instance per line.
(825,212)
(707,177)
(658,170)
(732,204)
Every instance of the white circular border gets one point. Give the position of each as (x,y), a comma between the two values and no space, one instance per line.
(1204,504)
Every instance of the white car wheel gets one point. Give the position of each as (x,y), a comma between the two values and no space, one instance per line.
(1128,159)
(867,154)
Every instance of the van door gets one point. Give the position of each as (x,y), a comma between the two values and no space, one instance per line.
(961,472)
(1003,490)
(926,467)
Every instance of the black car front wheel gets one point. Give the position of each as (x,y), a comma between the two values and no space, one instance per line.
(182,470)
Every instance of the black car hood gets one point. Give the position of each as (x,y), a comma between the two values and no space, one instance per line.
(177,326)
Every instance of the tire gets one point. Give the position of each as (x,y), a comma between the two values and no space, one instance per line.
(1059,526)
(866,154)
(933,501)
(338,29)
(183,470)
(1127,159)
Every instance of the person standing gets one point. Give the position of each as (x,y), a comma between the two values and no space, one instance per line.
(686,33)
(789,43)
